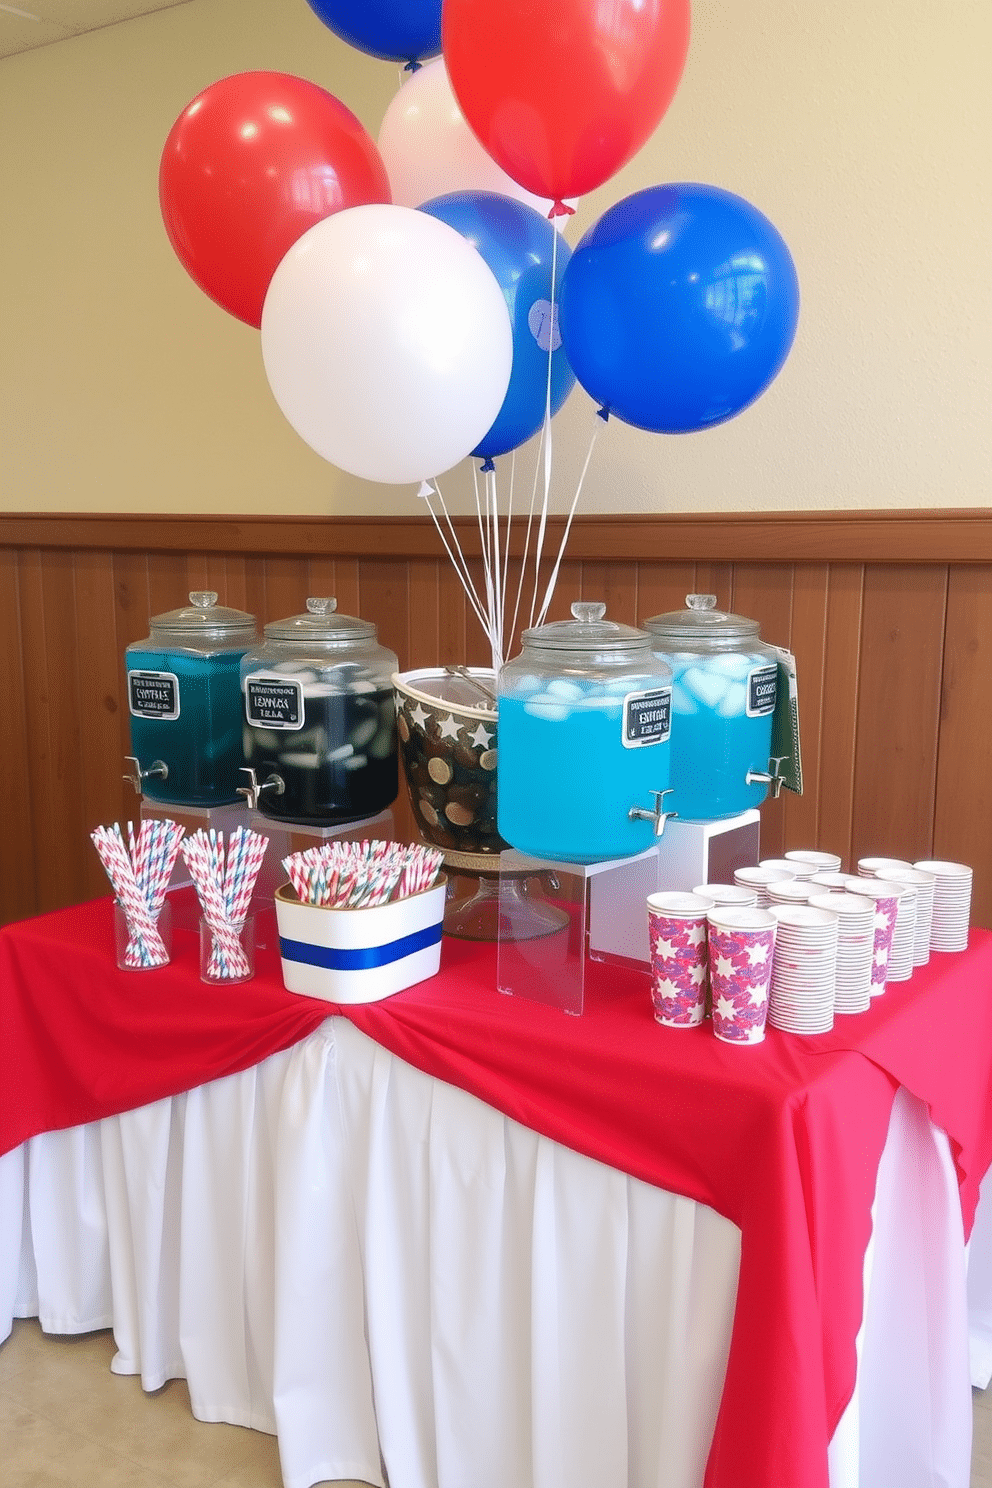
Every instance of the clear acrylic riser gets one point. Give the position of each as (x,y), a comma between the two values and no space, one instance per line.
(554,918)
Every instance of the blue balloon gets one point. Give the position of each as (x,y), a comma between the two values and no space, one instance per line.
(518,245)
(679,307)
(395,30)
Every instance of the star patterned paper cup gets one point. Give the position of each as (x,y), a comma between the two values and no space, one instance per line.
(741,949)
(886,898)
(677,938)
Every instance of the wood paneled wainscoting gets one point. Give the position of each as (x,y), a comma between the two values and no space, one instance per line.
(889,615)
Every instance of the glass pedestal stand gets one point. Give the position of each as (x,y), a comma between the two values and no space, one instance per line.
(603,916)
(477,897)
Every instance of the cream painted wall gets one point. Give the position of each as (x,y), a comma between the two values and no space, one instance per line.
(861,130)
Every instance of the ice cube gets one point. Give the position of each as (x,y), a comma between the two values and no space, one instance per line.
(564,691)
(734,702)
(729,664)
(384,743)
(522,686)
(364,731)
(547,709)
(298,759)
(705,687)
(683,702)
(356,762)
(343,752)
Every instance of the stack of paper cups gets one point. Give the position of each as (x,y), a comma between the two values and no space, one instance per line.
(819,862)
(904,935)
(790,891)
(951,904)
(924,884)
(885,897)
(804,972)
(855,948)
(878,867)
(730,894)
(759,879)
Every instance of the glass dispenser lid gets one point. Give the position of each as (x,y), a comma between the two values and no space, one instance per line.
(321,623)
(203,616)
(586,631)
(702,621)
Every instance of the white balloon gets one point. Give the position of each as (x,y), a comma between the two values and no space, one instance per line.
(387,343)
(429,150)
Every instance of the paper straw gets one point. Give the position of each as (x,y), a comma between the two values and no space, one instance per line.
(140,879)
(224,884)
(355,875)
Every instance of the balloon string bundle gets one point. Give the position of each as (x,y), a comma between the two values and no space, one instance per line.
(361,875)
(490,606)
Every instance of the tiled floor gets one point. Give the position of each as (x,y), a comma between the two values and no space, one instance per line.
(65,1419)
(981,1447)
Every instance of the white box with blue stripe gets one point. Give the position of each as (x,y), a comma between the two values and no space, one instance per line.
(359,955)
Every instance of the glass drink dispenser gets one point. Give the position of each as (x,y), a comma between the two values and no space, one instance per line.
(724,689)
(584,725)
(320,719)
(184,699)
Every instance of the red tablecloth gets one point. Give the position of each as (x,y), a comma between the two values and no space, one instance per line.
(784,1138)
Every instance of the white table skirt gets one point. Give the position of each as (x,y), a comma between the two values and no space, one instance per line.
(395,1278)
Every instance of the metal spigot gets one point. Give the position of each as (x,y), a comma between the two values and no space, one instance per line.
(770,777)
(659,816)
(251,793)
(157,771)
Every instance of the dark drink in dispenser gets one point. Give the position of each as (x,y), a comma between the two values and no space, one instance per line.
(184,701)
(319,719)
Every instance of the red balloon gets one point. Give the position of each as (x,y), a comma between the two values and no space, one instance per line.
(563,92)
(253,162)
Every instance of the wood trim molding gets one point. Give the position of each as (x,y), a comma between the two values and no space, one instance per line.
(917,536)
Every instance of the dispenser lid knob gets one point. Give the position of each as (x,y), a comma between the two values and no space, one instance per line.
(588,610)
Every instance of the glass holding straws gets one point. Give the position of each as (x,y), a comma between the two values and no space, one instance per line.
(224,884)
(139,874)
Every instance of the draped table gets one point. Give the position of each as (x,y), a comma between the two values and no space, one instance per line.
(784,1140)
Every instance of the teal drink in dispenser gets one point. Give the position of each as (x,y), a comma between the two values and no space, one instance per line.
(184,700)
(724,690)
(584,724)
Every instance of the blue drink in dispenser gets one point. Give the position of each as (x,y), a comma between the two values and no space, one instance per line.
(184,700)
(724,689)
(584,725)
